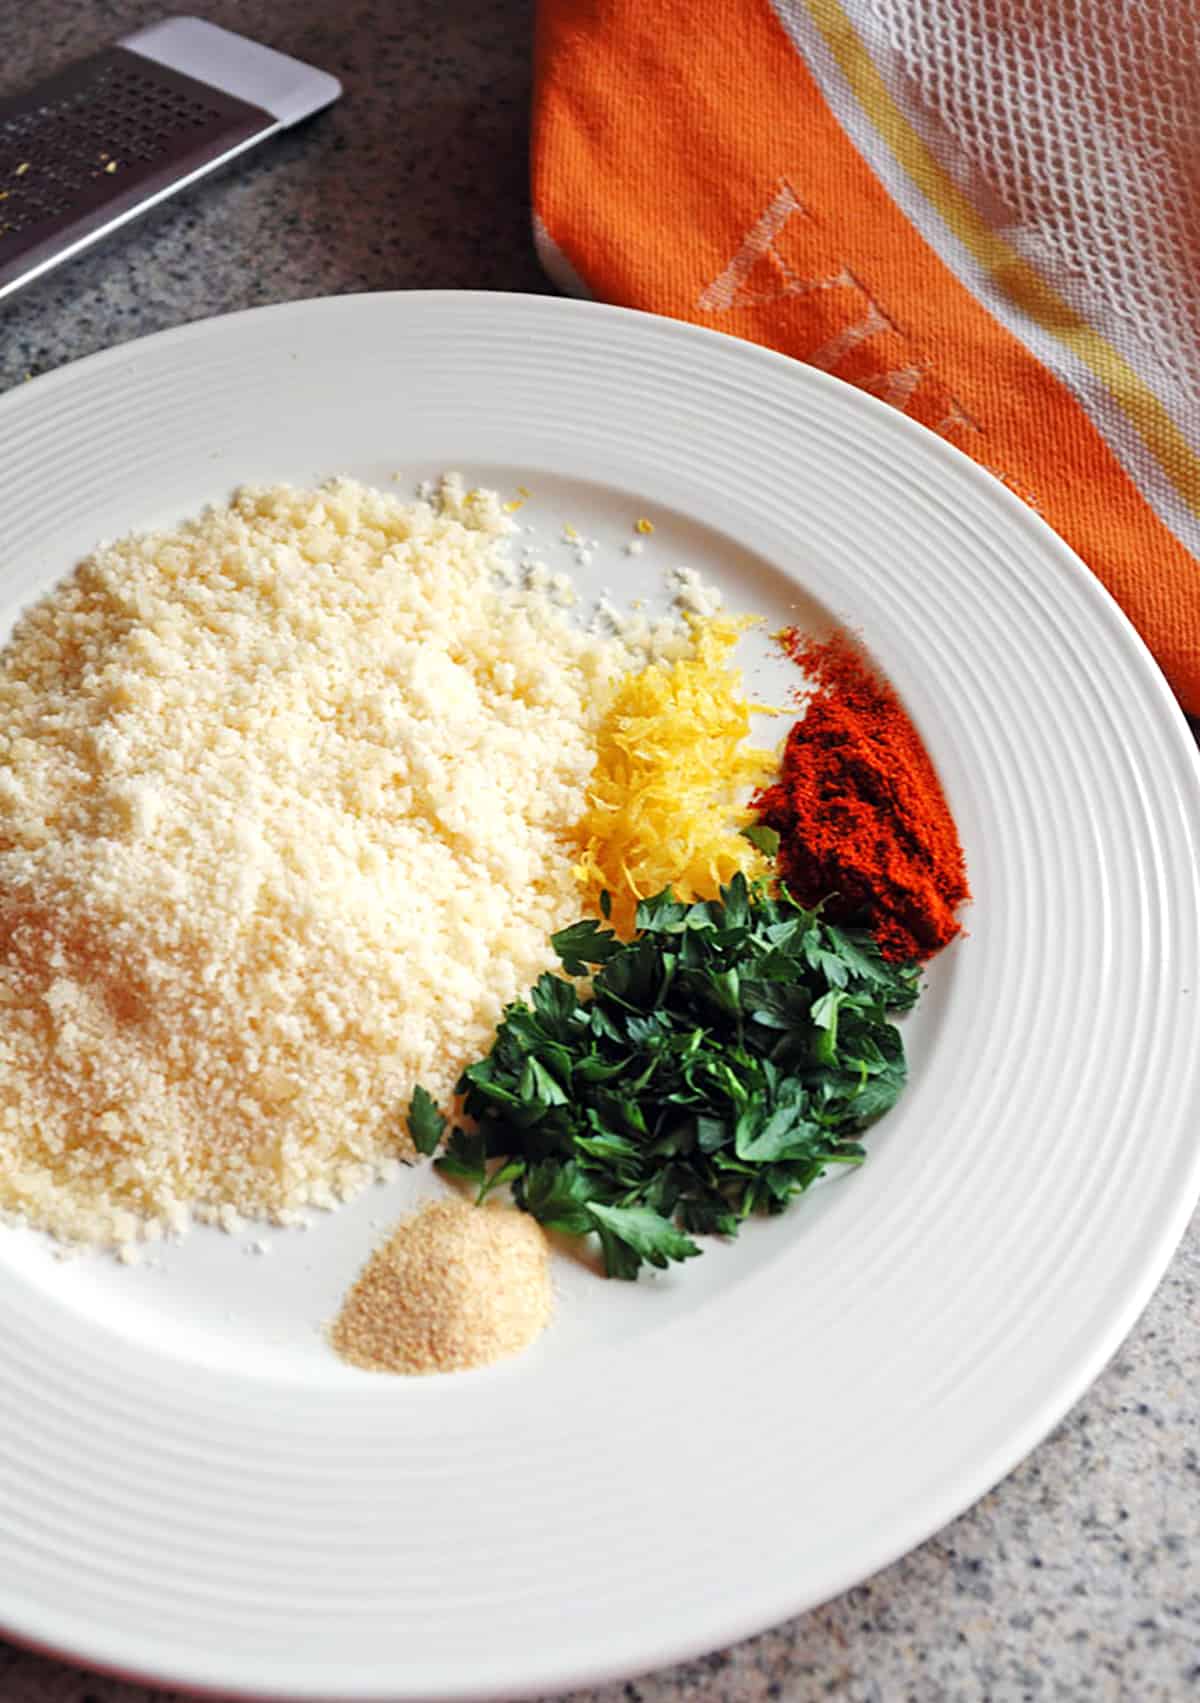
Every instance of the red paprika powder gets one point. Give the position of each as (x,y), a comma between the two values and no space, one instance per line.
(861,817)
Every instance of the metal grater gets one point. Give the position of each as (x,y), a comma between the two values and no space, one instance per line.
(94,146)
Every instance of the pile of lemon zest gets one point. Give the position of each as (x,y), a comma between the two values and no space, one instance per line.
(673,772)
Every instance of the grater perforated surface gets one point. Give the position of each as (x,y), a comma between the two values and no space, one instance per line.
(89,148)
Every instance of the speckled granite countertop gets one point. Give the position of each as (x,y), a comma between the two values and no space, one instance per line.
(1078,1576)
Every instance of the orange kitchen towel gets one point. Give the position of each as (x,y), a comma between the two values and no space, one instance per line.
(986,212)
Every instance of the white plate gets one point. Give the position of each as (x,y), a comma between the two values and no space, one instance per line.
(196,1491)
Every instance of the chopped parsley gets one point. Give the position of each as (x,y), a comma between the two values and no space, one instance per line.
(717,1064)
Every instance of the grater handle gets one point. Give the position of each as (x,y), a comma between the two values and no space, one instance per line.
(98,144)
(286,88)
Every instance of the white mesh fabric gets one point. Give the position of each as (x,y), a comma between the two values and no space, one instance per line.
(1074,127)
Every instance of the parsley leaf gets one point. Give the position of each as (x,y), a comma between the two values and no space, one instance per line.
(583,944)
(762,838)
(631,1234)
(425,1122)
(465,1157)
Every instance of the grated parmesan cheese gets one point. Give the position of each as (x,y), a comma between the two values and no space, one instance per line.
(285,801)
(690,592)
